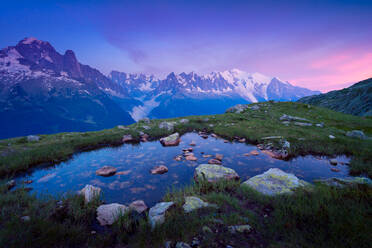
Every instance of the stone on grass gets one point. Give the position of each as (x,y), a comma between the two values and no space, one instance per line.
(145,120)
(343,182)
(240,229)
(90,192)
(171,140)
(285,117)
(213,173)
(161,169)
(320,124)
(127,138)
(274,181)
(106,171)
(356,134)
(157,213)
(184,121)
(33,138)
(107,214)
(167,125)
(122,127)
(182,245)
(331,136)
(237,108)
(302,124)
(25,218)
(139,206)
(192,203)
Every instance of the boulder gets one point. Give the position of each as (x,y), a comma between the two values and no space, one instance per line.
(285,117)
(302,124)
(171,140)
(90,192)
(167,125)
(157,213)
(274,181)
(161,169)
(242,140)
(333,161)
(33,138)
(127,138)
(320,124)
(240,229)
(239,108)
(107,214)
(192,203)
(182,245)
(213,173)
(356,134)
(106,171)
(219,156)
(331,136)
(184,121)
(139,206)
(145,120)
(254,153)
(343,182)
(255,107)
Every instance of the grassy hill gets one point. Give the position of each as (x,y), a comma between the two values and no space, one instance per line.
(355,100)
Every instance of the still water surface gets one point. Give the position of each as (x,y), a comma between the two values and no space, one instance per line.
(135,162)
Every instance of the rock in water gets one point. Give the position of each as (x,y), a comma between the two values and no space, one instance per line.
(171,140)
(106,171)
(333,161)
(274,181)
(107,214)
(193,203)
(157,213)
(127,138)
(159,169)
(356,134)
(90,192)
(213,173)
(214,161)
(139,206)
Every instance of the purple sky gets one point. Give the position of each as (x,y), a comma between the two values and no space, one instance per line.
(321,45)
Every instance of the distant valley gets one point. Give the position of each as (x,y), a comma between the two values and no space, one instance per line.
(43,91)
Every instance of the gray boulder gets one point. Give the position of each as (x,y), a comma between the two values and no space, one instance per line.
(106,171)
(33,138)
(90,192)
(356,134)
(157,213)
(213,173)
(285,117)
(139,206)
(171,140)
(192,203)
(274,181)
(237,108)
(167,125)
(240,229)
(107,214)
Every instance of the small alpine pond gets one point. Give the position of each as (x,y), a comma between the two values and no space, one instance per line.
(133,180)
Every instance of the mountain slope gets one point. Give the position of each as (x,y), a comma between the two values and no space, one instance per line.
(42,91)
(355,100)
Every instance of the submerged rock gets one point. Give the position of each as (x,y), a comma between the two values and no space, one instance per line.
(161,169)
(90,192)
(171,140)
(193,203)
(106,171)
(240,228)
(274,181)
(139,206)
(343,182)
(214,161)
(213,173)
(157,213)
(33,138)
(356,134)
(107,214)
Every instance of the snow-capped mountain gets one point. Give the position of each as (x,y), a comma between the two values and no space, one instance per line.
(43,91)
(191,94)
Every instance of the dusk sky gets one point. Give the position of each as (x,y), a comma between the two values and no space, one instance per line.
(321,45)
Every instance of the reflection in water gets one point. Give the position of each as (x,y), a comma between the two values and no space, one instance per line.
(133,162)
